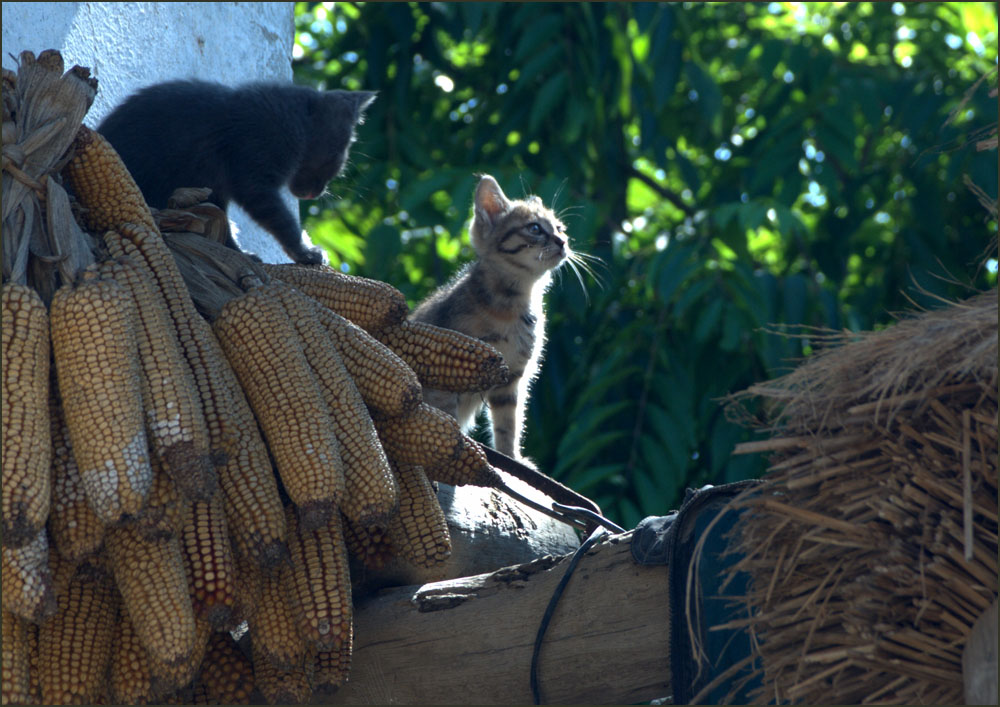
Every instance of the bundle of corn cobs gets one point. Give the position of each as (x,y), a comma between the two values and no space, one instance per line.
(169,476)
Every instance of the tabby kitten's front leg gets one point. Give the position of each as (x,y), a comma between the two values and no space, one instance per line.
(507,414)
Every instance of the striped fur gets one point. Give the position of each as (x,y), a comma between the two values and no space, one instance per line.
(498,298)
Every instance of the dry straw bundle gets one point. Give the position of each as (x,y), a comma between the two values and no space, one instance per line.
(872,549)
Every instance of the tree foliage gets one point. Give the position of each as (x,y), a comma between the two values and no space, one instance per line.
(736,166)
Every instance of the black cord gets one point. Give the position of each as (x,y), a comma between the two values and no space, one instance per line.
(594,518)
(595,537)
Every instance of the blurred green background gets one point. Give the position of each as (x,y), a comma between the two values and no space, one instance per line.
(737,168)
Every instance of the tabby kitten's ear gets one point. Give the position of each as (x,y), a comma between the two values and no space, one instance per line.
(490,201)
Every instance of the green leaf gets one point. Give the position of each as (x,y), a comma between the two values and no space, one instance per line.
(708,322)
(709,95)
(675,267)
(585,477)
(382,247)
(550,94)
(537,65)
(795,299)
(538,36)
(586,424)
(773,52)
(584,453)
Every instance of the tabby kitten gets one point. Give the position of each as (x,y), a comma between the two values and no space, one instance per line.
(244,143)
(498,298)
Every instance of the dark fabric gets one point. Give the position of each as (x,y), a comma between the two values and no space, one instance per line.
(671,540)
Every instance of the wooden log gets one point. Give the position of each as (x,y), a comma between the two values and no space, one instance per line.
(488,530)
(469,640)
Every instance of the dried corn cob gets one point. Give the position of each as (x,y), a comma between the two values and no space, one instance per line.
(163,516)
(131,680)
(27,579)
(320,586)
(426,437)
(201,350)
(253,505)
(249,588)
(370,546)
(281,685)
(209,562)
(102,184)
(74,645)
(468,466)
(97,362)
(331,668)
(27,450)
(446,360)
(384,380)
(168,677)
(175,422)
(151,579)
(419,532)
(16,660)
(370,488)
(273,629)
(371,304)
(34,686)
(226,674)
(75,529)
(267,355)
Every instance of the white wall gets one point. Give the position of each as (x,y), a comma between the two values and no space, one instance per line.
(128,45)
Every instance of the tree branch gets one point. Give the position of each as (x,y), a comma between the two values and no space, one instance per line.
(661,190)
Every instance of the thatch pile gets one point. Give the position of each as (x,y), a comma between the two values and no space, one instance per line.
(872,548)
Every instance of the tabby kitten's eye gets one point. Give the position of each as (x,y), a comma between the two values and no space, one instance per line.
(534,229)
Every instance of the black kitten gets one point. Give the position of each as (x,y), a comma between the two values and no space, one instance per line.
(244,143)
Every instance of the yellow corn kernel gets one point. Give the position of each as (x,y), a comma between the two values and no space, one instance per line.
(273,629)
(370,546)
(16,661)
(370,304)
(27,579)
(425,437)
(208,561)
(102,184)
(97,363)
(419,532)
(320,586)
(75,529)
(150,576)
(468,466)
(384,380)
(331,668)
(163,515)
(169,677)
(446,360)
(74,645)
(130,677)
(175,421)
(266,353)
(148,252)
(282,685)
(226,674)
(27,449)
(370,488)
(254,511)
